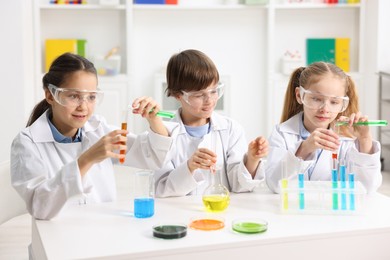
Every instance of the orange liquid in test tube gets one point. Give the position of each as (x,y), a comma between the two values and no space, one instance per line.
(124,127)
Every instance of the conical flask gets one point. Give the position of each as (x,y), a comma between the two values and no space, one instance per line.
(216,196)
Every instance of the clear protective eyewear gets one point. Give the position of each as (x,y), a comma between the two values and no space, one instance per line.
(316,101)
(74,97)
(198,97)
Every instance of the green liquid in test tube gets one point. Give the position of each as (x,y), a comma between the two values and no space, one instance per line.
(165,114)
(369,123)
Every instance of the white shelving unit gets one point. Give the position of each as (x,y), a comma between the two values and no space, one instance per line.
(384,112)
(289,25)
(245,42)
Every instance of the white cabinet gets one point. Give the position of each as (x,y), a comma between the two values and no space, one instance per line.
(246,43)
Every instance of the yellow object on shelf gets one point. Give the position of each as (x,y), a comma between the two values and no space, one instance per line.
(57,47)
(342,53)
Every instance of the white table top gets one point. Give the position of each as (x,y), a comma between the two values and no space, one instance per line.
(110,230)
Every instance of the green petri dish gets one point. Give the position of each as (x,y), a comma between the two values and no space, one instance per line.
(170,231)
(250,226)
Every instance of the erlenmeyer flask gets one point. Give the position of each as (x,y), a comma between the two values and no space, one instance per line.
(216,196)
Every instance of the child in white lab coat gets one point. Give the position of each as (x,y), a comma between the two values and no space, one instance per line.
(193,80)
(317,96)
(66,153)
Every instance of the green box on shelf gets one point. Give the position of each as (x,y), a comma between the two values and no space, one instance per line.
(256,2)
(320,49)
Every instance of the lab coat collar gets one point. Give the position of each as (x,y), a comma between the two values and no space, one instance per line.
(291,126)
(217,123)
(40,129)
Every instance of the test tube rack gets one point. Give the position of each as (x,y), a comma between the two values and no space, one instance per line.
(320,197)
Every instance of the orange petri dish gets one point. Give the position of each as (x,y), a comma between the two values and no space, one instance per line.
(207,224)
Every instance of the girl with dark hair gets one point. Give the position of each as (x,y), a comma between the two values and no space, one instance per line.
(316,98)
(66,153)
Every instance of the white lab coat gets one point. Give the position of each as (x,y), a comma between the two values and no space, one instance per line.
(175,179)
(46,173)
(285,141)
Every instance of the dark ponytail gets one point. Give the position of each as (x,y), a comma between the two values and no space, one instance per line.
(60,70)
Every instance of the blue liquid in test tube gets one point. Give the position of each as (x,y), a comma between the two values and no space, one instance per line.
(301,186)
(143,207)
(343,186)
(351,181)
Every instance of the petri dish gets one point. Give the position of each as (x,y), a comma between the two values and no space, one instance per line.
(169,231)
(207,223)
(250,226)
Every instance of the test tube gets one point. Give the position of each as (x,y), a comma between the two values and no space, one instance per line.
(165,114)
(301,186)
(343,185)
(351,181)
(124,127)
(369,123)
(284,186)
(335,198)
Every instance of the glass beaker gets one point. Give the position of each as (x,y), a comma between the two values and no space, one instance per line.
(144,194)
(216,196)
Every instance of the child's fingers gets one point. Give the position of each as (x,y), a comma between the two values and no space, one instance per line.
(207,151)
(117,132)
(137,102)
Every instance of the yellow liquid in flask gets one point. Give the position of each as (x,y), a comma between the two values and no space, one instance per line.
(216,203)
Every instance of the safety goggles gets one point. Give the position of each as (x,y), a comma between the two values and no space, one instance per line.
(74,97)
(318,101)
(198,97)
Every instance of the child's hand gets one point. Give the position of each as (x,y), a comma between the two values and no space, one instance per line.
(203,158)
(361,132)
(258,148)
(358,131)
(107,147)
(320,138)
(146,107)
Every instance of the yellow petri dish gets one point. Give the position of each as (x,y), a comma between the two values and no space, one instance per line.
(207,223)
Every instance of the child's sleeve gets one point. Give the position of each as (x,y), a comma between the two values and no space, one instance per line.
(148,150)
(45,194)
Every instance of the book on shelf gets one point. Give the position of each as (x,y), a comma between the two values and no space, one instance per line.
(332,50)
(57,47)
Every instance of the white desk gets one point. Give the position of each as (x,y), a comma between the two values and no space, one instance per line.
(101,231)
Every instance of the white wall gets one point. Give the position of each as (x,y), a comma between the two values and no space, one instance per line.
(16,70)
